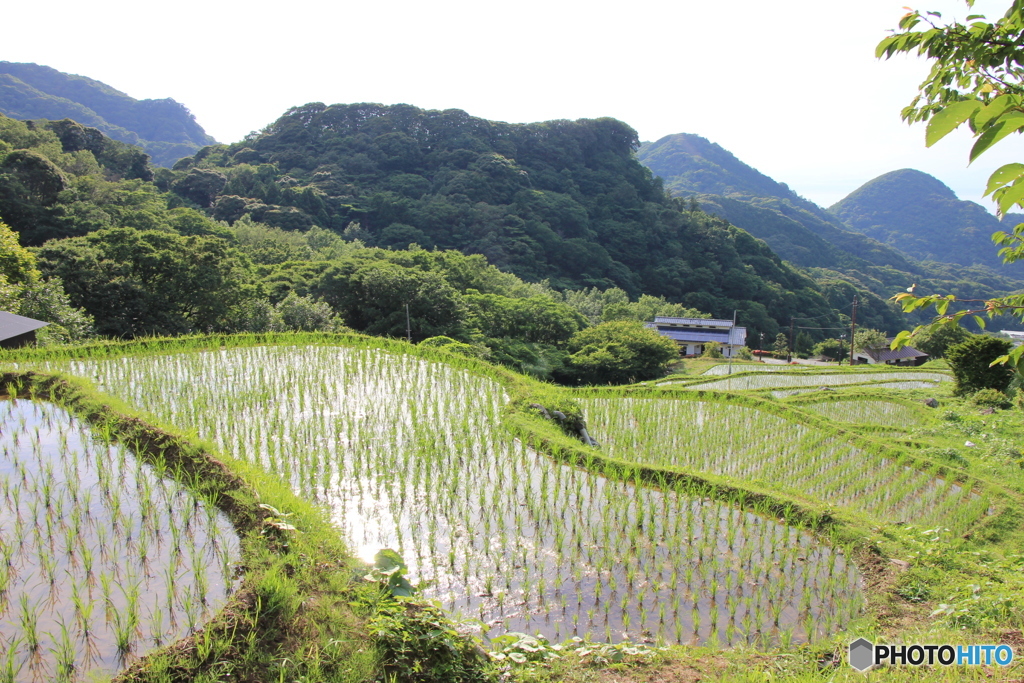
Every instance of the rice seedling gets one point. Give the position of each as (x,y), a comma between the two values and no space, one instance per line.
(775,380)
(865,411)
(409,454)
(749,443)
(80,573)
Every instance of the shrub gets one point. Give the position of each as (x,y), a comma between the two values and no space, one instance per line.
(743,353)
(712,350)
(991,398)
(971,364)
(617,352)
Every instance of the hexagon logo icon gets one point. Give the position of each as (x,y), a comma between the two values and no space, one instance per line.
(862,654)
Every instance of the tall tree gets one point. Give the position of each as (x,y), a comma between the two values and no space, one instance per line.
(977,78)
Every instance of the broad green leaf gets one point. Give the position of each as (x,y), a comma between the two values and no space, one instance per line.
(1009,123)
(886,47)
(993,110)
(981,321)
(387,559)
(946,121)
(1009,196)
(900,340)
(1004,175)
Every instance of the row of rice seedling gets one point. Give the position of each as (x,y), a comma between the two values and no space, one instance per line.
(724,369)
(763,380)
(747,443)
(408,454)
(103,557)
(894,385)
(866,411)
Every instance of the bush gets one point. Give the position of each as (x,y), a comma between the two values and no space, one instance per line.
(743,353)
(991,398)
(712,350)
(971,365)
(617,352)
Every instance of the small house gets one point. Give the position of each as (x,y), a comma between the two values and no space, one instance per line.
(17,330)
(691,334)
(907,355)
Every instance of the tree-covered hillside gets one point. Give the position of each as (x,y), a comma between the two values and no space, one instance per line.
(922,217)
(164,128)
(140,257)
(563,201)
(843,261)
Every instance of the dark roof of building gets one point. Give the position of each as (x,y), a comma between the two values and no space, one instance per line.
(12,325)
(694,335)
(692,321)
(886,354)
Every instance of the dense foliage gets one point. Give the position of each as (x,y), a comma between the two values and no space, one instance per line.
(618,352)
(165,129)
(564,201)
(971,363)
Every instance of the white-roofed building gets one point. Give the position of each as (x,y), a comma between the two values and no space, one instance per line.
(691,334)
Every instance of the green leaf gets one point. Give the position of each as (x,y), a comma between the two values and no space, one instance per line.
(947,120)
(1004,175)
(900,340)
(1009,196)
(387,560)
(978,319)
(1009,123)
(993,110)
(886,47)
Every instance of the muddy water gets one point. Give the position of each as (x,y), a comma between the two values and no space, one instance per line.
(101,558)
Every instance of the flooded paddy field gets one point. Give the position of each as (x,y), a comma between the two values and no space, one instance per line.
(409,454)
(747,443)
(102,557)
(771,380)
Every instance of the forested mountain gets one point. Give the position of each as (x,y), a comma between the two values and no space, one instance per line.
(563,201)
(919,215)
(843,261)
(308,225)
(164,128)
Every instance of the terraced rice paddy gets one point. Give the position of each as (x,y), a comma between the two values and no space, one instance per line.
(746,443)
(882,384)
(864,411)
(737,368)
(409,454)
(769,380)
(101,557)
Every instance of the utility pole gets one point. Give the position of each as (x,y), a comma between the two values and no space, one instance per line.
(408,325)
(729,339)
(853,328)
(789,356)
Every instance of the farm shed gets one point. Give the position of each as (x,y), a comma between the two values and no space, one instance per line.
(17,330)
(691,334)
(907,355)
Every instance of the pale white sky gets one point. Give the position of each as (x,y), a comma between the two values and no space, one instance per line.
(791,87)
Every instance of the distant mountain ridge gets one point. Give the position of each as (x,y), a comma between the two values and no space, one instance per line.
(164,128)
(919,215)
(844,261)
